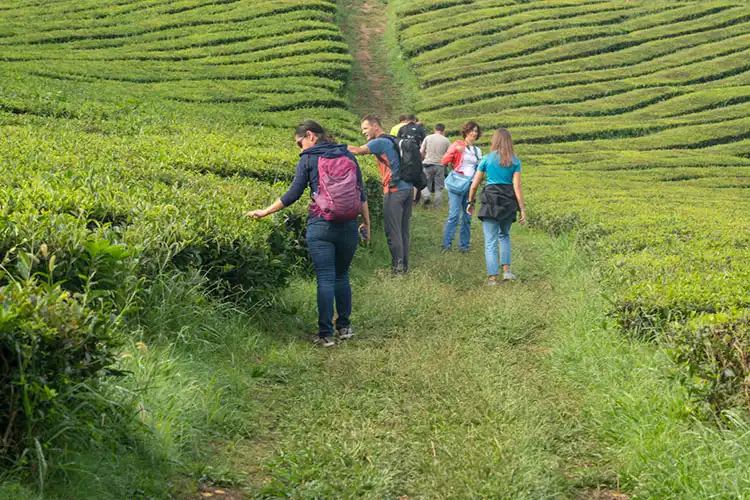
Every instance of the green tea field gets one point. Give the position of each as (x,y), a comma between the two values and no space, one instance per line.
(633,119)
(155,340)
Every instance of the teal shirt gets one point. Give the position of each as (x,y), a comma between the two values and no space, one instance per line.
(496,173)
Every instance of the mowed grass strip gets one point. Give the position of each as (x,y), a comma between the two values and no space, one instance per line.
(442,393)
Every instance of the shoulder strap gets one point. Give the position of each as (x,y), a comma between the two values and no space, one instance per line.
(391,138)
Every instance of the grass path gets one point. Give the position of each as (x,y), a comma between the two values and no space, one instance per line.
(380,82)
(448,390)
(455,390)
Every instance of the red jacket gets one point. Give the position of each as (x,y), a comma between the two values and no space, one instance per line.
(454,156)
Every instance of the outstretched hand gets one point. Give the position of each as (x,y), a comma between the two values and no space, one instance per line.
(256,214)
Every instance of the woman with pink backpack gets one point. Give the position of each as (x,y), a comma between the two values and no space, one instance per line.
(338,197)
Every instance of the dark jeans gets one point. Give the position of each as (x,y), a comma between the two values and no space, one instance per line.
(332,246)
(397,220)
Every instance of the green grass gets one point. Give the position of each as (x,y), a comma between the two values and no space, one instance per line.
(450,389)
(127,121)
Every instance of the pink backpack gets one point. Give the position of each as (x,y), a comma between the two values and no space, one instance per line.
(339,196)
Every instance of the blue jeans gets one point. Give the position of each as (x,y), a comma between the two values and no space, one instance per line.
(332,246)
(457,204)
(496,232)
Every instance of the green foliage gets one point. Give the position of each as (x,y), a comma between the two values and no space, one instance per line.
(51,344)
(714,352)
(134,137)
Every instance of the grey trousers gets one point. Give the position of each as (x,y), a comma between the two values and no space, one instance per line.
(435,184)
(397,218)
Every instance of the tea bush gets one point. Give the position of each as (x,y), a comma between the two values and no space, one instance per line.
(714,350)
(52,344)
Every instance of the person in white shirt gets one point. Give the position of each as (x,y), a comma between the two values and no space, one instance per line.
(433,148)
(464,156)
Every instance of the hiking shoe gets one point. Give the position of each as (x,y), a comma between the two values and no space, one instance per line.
(464,250)
(507,276)
(397,271)
(345,333)
(324,341)
(446,250)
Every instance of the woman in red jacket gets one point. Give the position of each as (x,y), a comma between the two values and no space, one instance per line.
(464,156)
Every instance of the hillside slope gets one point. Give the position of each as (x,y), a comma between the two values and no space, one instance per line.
(631,120)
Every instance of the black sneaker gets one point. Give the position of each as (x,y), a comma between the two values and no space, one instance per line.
(324,341)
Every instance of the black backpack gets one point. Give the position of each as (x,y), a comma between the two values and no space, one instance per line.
(410,159)
(412,131)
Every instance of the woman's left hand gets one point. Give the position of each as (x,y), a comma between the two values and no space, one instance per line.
(365,228)
(470,209)
(256,214)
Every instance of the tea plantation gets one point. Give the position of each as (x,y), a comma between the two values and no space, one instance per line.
(632,118)
(134,136)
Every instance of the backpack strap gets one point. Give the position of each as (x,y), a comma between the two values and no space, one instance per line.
(391,138)
(395,143)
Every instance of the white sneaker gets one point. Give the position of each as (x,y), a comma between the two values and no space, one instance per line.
(345,333)
(324,341)
(507,276)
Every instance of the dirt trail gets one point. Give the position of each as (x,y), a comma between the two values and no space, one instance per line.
(371,89)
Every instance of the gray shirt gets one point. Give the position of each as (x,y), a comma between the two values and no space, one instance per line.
(434,147)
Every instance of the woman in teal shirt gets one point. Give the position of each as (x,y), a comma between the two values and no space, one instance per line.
(501,199)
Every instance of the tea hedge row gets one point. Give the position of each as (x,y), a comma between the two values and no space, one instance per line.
(550,28)
(643,60)
(556,54)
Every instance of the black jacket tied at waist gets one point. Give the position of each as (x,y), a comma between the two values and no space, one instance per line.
(498,203)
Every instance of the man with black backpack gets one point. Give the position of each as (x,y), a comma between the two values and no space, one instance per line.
(398,185)
(412,134)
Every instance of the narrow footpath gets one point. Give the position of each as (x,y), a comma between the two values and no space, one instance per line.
(448,390)
(452,389)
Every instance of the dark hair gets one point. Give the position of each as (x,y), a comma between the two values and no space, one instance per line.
(468,127)
(411,118)
(402,118)
(314,127)
(440,127)
(371,119)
